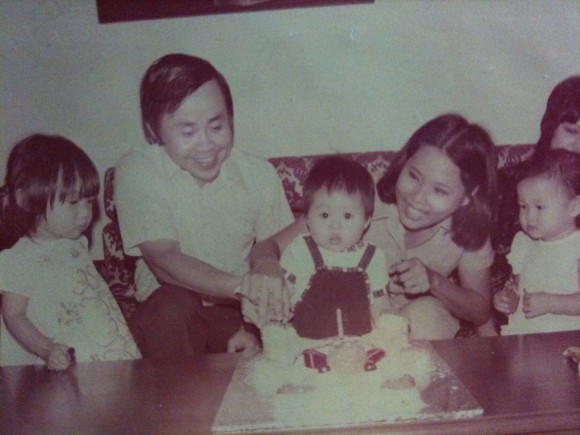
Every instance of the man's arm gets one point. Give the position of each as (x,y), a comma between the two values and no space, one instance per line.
(171,265)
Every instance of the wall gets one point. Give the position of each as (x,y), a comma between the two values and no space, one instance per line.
(314,80)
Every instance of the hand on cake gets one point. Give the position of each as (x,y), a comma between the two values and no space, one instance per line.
(244,342)
(265,296)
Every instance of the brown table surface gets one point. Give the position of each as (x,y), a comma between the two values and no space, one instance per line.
(523,383)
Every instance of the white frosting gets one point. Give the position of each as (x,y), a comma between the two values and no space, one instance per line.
(345,394)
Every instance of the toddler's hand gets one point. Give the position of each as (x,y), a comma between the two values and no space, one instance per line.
(412,274)
(506,301)
(58,357)
(535,304)
(245,342)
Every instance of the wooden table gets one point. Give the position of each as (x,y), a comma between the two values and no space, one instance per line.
(523,383)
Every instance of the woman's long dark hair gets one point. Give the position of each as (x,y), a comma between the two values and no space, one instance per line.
(470,147)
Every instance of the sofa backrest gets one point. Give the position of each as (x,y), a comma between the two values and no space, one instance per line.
(292,170)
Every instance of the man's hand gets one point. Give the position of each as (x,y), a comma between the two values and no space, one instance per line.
(265,296)
(245,342)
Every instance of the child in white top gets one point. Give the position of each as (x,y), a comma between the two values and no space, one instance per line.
(331,268)
(55,306)
(545,255)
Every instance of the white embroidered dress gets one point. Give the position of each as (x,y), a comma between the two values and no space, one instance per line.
(68,301)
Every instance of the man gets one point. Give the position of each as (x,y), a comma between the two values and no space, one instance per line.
(192,207)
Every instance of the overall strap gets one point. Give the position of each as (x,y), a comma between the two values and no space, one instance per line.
(314,251)
(367,256)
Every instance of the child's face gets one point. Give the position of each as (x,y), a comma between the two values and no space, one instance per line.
(66,220)
(547,209)
(336,220)
(429,189)
(198,136)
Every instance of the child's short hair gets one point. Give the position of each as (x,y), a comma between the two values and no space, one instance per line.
(560,165)
(38,167)
(337,174)
(563,105)
(170,80)
(470,147)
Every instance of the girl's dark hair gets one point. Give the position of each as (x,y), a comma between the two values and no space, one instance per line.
(337,174)
(38,167)
(169,81)
(563,105)
(560,165)
(470,147)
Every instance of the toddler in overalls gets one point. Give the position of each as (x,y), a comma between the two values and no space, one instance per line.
(331,268)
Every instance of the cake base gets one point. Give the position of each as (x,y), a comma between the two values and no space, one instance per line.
(251,408)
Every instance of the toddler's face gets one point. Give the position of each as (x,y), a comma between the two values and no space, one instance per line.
(66,220)
(336,220)
(547,209)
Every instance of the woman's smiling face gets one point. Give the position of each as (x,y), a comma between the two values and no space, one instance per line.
(429,189)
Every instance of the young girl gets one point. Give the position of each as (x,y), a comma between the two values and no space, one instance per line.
(331,268)
(55,305)
(545,255)
(434,218)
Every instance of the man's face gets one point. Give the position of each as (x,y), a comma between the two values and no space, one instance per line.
(198,136)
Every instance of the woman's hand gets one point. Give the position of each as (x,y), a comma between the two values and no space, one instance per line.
(414,276)
(58,357)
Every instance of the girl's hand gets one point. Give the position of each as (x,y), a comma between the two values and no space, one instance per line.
(506,301)
(413,275)
(535,304)
(58,357)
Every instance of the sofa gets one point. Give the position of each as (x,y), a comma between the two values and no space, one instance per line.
(118,269)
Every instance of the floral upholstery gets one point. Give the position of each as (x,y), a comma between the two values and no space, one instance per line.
(118,269)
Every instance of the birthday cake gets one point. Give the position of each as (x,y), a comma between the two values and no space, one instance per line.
(317,383)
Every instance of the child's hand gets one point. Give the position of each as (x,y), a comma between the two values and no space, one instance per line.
(58,357)
(245,342)
(506,301)
(536,304)
(412,274)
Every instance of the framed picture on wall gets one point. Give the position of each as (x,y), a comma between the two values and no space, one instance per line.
(113,11)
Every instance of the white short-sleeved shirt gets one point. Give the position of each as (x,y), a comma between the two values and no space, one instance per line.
(550,267)
(299,266)
(68,301)
(440,253)
(217,223)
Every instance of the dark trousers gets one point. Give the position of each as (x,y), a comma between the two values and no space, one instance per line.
(173,323)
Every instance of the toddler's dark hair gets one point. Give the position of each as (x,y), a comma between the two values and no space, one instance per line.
(563,105)
(337,174)
(38,167)
(560,165)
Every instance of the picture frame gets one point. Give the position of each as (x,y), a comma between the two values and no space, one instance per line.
(114,11)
